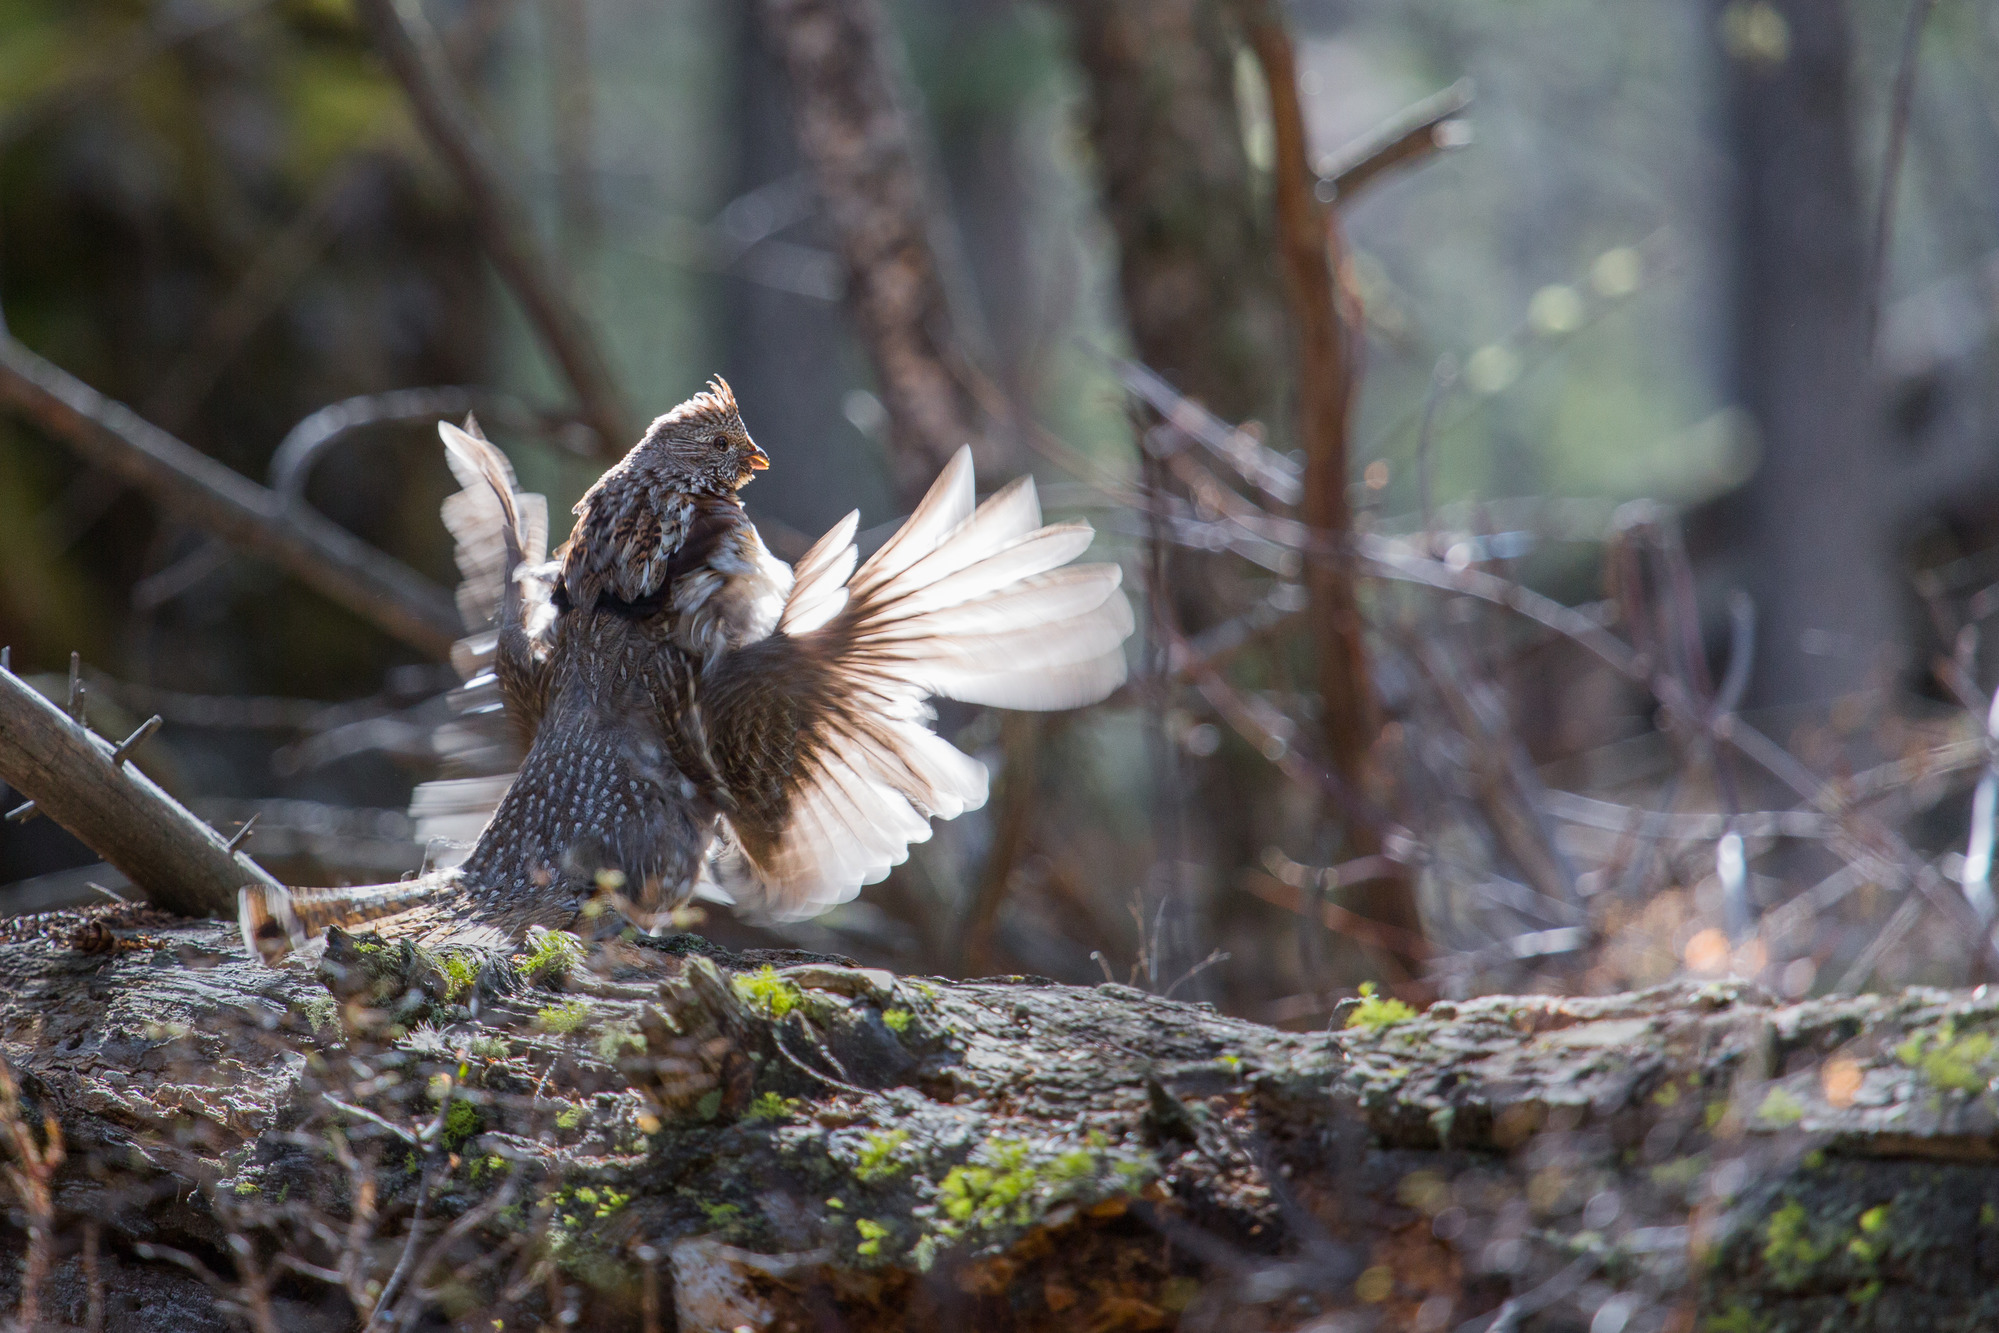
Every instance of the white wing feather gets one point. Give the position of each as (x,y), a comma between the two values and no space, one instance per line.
(972,603)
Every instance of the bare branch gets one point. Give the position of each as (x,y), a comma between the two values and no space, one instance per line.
(1891,164)
(180,863)
(198,490)
(419,62)
(1432,125)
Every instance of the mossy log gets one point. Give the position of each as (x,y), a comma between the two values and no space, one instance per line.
(678,1137)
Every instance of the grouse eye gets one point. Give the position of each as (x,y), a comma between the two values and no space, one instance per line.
(720,441)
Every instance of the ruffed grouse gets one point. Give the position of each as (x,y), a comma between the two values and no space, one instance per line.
(696,711)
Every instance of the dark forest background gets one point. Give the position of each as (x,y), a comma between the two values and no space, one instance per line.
(1678,316)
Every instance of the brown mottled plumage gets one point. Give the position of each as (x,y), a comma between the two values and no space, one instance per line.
(696,713)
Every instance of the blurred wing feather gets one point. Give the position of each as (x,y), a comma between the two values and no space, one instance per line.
(500,531)
(820,733)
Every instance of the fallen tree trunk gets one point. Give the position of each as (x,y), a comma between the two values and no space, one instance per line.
(803,1144)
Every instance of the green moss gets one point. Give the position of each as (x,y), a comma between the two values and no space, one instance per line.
(597,1203)
(569,1118)
(478,1168)
(1007,1184)
(1874,1218)
(722,1216)
(490,1048)
(554,953)
(461,1122)
(322,1013)
(248,1187)
(872,1234)
(1375,1013)
(563,1018)
(461,973)
(880,1157)
(613,1041)
(1735,1319)
(710,1104)
(769,1106)
(768,993)
(1947,1061)
(1790,1251)
(1780,1107)
(897,1020)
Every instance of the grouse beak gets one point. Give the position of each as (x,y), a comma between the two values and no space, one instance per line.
(758,460)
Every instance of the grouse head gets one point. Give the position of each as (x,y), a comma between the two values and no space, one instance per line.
(632,524)
(700,446)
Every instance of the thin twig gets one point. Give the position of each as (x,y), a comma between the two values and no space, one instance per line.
(1432,125)
(31,1176)
(1899,106)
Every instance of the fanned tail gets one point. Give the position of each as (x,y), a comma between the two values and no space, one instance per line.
(276,920)
(973,603)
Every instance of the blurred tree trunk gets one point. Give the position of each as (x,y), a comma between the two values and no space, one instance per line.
(1201,295)
(1813,528)
(848,108)
(1205,305)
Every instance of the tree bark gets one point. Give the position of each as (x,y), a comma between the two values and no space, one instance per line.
(818,1145)
(1201,295)
(1814,527)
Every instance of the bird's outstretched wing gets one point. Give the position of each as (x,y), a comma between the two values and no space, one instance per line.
(820,734)
(500,532)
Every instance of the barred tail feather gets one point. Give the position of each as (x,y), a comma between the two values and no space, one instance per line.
(277,920)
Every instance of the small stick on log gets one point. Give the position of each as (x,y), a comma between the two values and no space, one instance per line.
(200,491)
(81,782)
(417,59)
